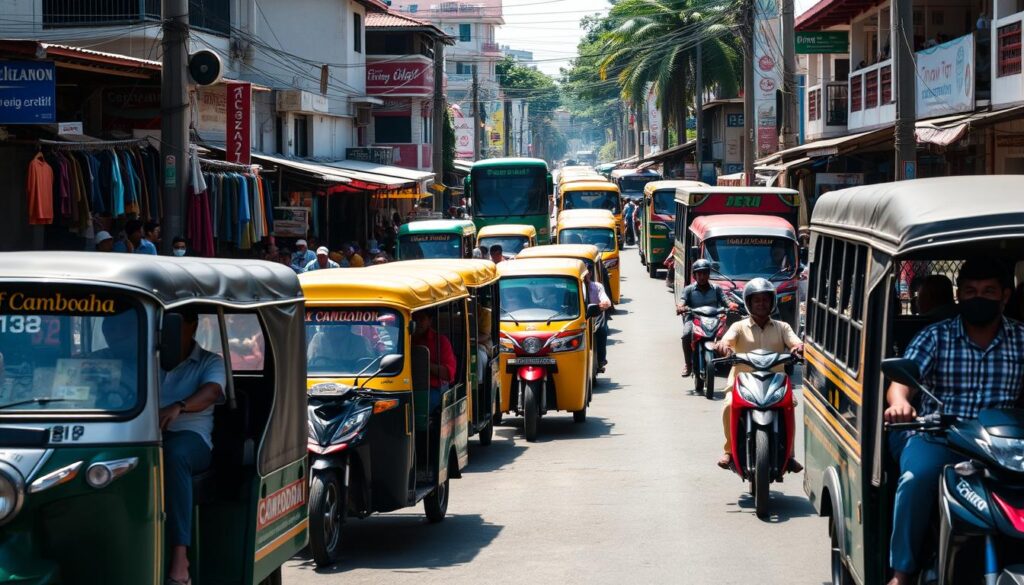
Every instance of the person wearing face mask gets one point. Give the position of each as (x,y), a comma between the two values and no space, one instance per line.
(179,247)
(971,362)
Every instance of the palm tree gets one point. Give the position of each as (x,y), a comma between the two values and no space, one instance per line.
(655,42)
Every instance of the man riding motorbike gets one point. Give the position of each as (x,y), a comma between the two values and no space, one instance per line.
(695,296)
(971,362)
(758,331)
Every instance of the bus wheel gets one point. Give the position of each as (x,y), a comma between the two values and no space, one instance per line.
(840,574)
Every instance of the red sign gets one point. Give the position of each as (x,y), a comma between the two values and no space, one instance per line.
(400,78)
(278,504)
(239,113)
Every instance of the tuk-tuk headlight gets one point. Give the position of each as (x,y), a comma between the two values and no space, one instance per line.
(567,341)
(12,492)
(610,263)
(532,345)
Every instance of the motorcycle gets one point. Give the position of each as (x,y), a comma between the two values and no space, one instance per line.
(762,421)
(981,500)
(708,328)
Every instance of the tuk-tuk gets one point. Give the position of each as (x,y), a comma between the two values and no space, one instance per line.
(631,182)
(597,228)
(481,280)
(546,339)
(590,194)
(436,238)
(84,338)
(513,237)
(657,220)
(867,244)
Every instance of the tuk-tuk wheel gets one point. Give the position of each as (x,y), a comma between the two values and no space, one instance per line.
(580,416)
(435,505)
(273,578)
(531,414)
(652,269)
(487,434)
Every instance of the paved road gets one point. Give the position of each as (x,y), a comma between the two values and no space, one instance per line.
(632,496)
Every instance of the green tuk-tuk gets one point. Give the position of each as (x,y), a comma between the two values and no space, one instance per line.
(436,238)
(83,338)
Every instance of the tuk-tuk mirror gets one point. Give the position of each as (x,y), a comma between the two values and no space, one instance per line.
(170,341)
(420,368)
(902,370)
(391,364)
(593,311)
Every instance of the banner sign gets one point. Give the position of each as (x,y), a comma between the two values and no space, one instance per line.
(28,92)
(767,74)
(945,78)
(822,41)
(239,110)
(400,78)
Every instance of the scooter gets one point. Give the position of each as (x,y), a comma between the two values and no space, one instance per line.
(762,422)
(981,500)
(339,458)
(708,328)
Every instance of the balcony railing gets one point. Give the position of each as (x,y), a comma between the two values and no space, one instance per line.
(871,96)
(836,100)
(211,15)
(490,47)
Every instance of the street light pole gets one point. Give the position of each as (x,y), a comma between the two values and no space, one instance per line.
(174,107)
(902,18)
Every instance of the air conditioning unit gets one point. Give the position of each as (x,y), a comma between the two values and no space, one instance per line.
(364,116)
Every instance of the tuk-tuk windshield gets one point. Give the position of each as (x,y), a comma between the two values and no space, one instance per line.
(342,341)
(68,350)
(540,298)
(603,238)
(420,246)
(664,202)
(635,185)
(591,200)
(746,257)
(510,245)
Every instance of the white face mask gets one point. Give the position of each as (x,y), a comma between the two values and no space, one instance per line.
(179,251)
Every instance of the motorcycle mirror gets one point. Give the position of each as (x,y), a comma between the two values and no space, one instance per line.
(907,372)
(391,365)
(593,311)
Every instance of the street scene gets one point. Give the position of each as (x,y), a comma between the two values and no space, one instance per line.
(562,291)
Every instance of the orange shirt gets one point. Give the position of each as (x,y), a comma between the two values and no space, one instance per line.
(40,192)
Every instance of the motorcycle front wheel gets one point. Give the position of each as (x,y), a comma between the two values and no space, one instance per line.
(327,509)
(762,470)
(709,377)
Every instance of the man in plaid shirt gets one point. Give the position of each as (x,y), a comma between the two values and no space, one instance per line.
(971,362)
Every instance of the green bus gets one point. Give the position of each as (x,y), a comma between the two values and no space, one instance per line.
(436,238)
(511,190)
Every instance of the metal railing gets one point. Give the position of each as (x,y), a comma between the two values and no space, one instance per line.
(836,98)
(210,15)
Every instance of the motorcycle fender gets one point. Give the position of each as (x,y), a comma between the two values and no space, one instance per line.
(763,418)
(531,373)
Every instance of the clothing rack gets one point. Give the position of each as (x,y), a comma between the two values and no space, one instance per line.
(94,144)
(213,165)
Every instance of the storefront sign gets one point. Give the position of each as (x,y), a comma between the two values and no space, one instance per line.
(296,100)
(734,120)
(822,41)
(212,103)
(291,222)
(131,108)
(400,77)
(767,73)
(377,155)
(239,110)
(29,92)
(945,78)
(69,129)
(825,182)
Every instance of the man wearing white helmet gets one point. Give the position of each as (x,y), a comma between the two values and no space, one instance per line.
(759,331)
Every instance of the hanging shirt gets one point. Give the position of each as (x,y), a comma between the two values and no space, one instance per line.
(39,186)
(116,186)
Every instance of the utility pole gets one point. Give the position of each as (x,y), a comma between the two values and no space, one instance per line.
(698,155)
(902,18)
(476,116)
(174,107)
(505,126)
(639,131)
(789,101)
(438,115)
(749,140)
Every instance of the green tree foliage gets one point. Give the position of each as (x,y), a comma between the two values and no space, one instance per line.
(544,97)
(608,152)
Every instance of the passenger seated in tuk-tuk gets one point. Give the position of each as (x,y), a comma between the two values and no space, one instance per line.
(188,393)
(934,297)
(979,344)
(596,295)
(442,356)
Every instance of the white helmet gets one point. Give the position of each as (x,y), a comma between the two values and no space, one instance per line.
(758,286)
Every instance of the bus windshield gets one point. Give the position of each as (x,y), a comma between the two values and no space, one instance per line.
(420,246)
(540,298)
(591,200)
(635,184)
(664,202)
(603,238)
(342,341)
(510,191)
(746,257)
(68,350)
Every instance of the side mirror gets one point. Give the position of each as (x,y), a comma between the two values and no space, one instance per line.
(170,341)
(593,311)
(391,365)
(902,370)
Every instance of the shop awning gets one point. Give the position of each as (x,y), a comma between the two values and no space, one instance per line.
(314,174)
(668,153)
(383,170)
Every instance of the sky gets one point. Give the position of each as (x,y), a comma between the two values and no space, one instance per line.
(551,28)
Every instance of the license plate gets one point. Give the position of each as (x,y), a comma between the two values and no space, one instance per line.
(532,361)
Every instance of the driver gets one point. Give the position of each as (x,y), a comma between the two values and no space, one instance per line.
(970,362)
(702,293)
(781,261)
(759,331)
(340,347)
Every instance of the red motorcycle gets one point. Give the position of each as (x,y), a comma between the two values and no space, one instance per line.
(762,422)
(708,327)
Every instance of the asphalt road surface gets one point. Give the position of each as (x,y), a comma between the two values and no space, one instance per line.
(632,496)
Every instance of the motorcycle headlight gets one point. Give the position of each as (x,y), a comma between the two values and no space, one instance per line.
(11,492)
(566,342)
(532,345)
(1007,452)
(352,424)
(762,392)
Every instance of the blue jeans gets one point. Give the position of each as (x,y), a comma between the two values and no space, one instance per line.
(921,459)
(601,342)
(185,454)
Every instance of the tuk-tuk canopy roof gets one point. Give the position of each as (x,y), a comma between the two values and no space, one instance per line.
(571,218)
(590,184)
(171,281)
(619,173)
(473,272)
(462,227)
(588,251)
(543,267)
(507,229)
(726,225)
(408,287)
(673,184)
(906,216)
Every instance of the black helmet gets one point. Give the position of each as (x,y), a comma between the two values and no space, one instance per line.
(701,265)
(758,286)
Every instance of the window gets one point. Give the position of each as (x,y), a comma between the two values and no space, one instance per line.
(836,304)
(1009,49)
(345,341)
(465,33)
(464,68)
(246,340)
(357,33)
(540,298)
(856,83)
(392,129)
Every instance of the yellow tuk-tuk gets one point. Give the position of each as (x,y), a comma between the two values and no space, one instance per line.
(597,228)
(592,194)
(389,361)
(546,339)
(657,222)
(512,237)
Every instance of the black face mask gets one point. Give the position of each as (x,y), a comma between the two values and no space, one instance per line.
(979,311)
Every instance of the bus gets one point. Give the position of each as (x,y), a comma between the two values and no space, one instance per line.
(511,190)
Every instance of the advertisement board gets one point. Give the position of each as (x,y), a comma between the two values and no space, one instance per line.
(411,78)
(822,41)
(767,74)
(29,92)
(239,120)
(291,222)
(945,78)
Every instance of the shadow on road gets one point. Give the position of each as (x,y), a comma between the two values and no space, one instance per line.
(557,426)
(782,507)
(407,542)
(605,385)
(502,451)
